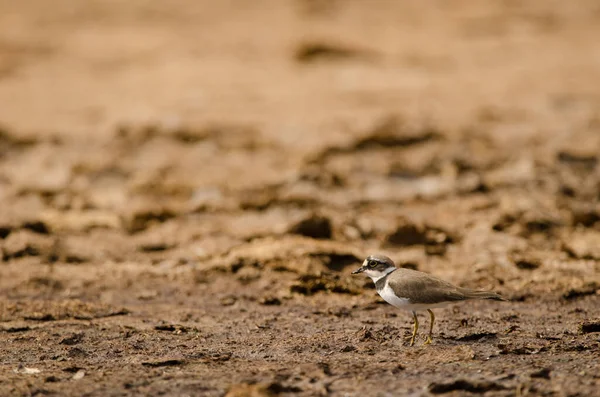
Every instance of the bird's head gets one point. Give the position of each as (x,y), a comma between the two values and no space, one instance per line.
(376,266)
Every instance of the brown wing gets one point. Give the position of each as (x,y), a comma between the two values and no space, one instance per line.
(421,287)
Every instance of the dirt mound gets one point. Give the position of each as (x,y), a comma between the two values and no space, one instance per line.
(186,188)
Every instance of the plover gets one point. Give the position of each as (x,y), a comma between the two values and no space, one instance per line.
(413,290)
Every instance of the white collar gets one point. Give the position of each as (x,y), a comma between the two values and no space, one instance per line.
(384,274)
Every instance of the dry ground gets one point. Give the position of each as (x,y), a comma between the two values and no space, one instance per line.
(186,187)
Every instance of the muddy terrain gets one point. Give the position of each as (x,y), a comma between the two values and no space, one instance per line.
(187,186)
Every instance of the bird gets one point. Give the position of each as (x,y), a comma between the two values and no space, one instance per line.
(414,290)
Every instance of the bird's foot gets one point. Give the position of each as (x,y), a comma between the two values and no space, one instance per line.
(428,340)
(410,339)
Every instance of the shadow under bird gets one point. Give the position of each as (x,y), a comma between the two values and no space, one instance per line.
(413,290)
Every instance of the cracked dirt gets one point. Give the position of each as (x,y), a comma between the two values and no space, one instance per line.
(186,187)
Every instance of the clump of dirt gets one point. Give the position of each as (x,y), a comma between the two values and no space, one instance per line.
(314,51)
(315,227)
(310,284)
(190,227)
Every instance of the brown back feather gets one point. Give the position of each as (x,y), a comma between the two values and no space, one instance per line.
(421,287)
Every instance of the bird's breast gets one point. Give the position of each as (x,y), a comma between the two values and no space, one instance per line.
(390,297)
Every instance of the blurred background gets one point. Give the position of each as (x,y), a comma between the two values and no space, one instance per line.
(155,154)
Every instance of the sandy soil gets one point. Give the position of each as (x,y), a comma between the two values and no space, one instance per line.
(186,187)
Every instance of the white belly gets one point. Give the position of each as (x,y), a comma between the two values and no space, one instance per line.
(402,303)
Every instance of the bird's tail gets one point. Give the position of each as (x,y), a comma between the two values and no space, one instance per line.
(474,294)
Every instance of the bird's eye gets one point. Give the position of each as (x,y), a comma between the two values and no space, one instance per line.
(372,264)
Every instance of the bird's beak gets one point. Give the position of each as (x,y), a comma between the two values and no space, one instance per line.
(359,270)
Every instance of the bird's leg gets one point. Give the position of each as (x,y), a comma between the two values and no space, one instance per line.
(428,339)
(415,328)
